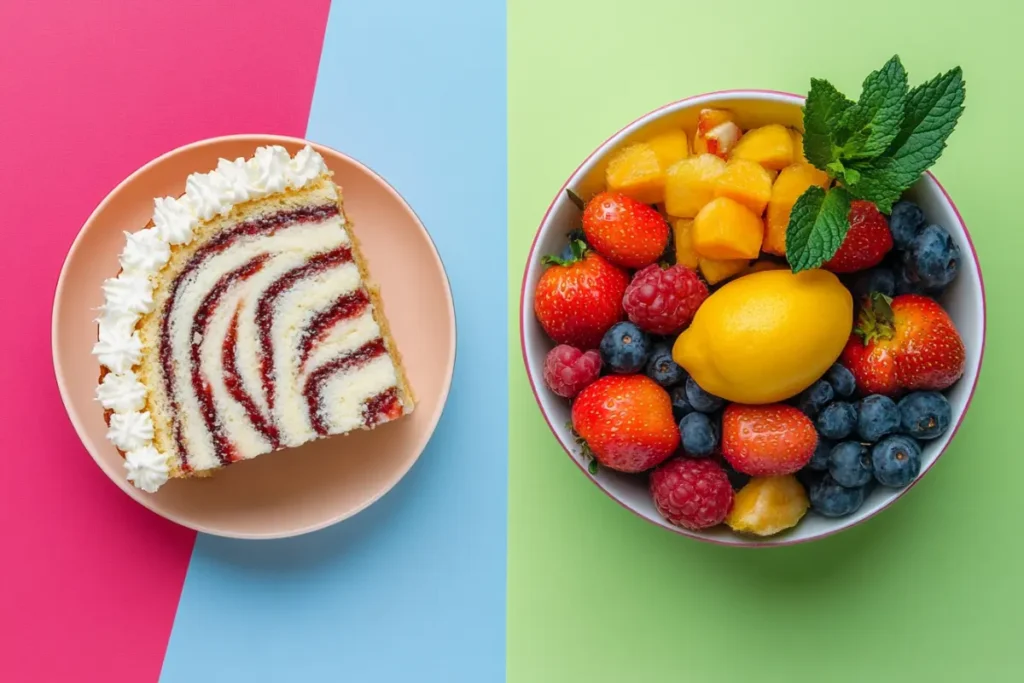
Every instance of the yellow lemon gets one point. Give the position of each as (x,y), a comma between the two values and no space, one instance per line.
(767,336)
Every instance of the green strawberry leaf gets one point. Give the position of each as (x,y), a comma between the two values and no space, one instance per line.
(576,199)
(931,113)
(578,248)
(824,108)
(874,122)
(818,224)
(593,467)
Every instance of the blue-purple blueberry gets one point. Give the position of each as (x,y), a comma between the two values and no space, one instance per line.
(877,416)
(896,460)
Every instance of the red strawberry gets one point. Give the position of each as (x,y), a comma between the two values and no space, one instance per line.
(626,422)
(904,344)
(867,242)
(627,232)
(578,299)
(767,440)
(664,301)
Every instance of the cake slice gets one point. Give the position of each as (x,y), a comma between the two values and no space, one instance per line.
(243,322)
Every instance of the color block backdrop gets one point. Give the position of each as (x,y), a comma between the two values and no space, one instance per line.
(598,595)
(95,587)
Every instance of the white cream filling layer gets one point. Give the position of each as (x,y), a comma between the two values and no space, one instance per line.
(344,394)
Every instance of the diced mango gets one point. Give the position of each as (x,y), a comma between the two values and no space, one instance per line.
(635,171)
(798,146)
(767,505)
(682,229)
(670,147)
(771,146)
(716,271)
(746,182)
(725,229)
(690,184)
(792,182)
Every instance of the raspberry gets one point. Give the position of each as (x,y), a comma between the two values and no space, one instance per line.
(567,370)
(664,301)
(693,494)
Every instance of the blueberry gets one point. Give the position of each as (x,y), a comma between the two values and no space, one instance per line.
(877,279)
(662,369)
(699,434)
(624,348)
(878,416)
(925,414)
(837,420)
(830,499)
(680,404)
(849,463)
(815,397)
(808,477)
(896,460)
(701,400)
(819,461)
(842,380)
(906,281)
(905,222)
(932,258)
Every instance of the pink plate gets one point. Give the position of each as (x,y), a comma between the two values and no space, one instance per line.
(308,488)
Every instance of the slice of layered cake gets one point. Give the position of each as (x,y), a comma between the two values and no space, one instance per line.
(242,322)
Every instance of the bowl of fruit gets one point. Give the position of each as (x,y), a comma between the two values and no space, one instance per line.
(756,318)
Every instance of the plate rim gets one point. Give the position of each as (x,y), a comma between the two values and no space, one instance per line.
(146,500)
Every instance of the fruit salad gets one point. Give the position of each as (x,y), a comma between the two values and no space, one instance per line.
(749,319)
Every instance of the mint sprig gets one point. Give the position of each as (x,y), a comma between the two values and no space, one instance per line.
(872,149)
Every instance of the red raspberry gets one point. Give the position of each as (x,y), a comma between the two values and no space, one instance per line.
(866,243)
(664,301)
(692,493)
(567,370)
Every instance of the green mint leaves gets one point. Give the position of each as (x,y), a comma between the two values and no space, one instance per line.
(873,149)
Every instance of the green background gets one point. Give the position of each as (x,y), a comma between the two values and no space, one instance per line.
(930,590)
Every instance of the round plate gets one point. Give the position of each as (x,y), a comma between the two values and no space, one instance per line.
(303,489)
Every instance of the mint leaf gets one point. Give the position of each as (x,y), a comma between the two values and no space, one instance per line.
(817,227)
(874,122)
(931,112)
(575,199)
(824,108)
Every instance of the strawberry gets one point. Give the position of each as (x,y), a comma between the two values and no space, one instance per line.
(866,243)
(626,232)
(579,298)
(767,440)
(908,343)
(626,422)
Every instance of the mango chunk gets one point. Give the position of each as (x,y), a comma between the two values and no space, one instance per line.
(725,229)
(686,255)
(636,171)
(792,182)
(746,182)
(690,184)
(715,271)
(768,505)
(670,147)
(771,146)
(798,146)
(716,132)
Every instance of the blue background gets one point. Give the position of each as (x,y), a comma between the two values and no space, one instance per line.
(412,589)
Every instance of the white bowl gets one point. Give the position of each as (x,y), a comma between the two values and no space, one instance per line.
(964,300)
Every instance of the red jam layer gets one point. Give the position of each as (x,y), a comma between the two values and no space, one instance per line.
(233,382)
(315,381)
(265,225)
(265,308)
(345,308)
(382,407)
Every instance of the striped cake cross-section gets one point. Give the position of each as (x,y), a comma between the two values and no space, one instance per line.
(243,322)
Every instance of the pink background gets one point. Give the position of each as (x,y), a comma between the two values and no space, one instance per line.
(90,92)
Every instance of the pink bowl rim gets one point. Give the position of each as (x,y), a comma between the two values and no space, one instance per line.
(435,418)
(741,543)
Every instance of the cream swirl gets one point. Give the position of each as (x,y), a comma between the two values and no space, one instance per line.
(174,219)
(147,468)
(144,252)
(129,431)
(122,393)
(129,296)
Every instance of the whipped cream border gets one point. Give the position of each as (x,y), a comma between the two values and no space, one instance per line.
(129,296)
